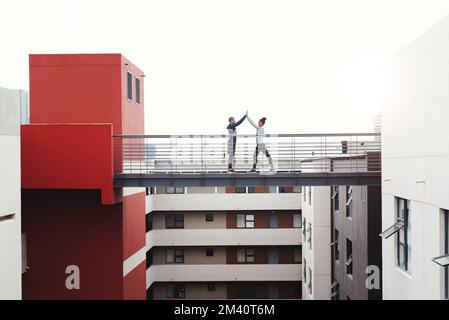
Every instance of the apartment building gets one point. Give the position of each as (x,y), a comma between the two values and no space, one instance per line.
(13,103)
(224,243)
(316,237)
(415,155)
(355,242)
(84,238)
(341,234)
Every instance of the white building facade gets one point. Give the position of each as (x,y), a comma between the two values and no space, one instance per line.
(10,228)
(415,173)
(316,262)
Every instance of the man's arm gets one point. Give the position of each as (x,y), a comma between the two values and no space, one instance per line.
(252,122)
(240,121)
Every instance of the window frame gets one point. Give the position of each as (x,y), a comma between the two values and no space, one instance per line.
(249,256)
(209,217)
(137,89)
(210,286)
(178,256)
(246,221)
(179,291)
(309,238)
(403,247)
(337,245)
(210,252)
(177,222)
(349,202)
(336,199)
(276,224)
(297,216)
(129,81)
(175,190)
(349,259)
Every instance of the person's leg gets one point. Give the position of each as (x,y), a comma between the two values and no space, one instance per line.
(230,153)
(270,160)
(233,152)
(256,153)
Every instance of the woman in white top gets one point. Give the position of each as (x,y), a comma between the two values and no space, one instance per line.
(260,147)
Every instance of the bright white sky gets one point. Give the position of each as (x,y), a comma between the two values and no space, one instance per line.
(306,65)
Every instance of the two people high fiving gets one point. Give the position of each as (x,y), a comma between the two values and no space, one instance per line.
(260,144)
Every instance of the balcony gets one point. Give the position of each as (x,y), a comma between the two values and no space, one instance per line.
(223,273)
(224,237)
(224,201)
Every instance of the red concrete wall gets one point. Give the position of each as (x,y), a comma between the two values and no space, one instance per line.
(71,227)
(134,284)
(76,89)
(133,224)
(68,156)
(132,113)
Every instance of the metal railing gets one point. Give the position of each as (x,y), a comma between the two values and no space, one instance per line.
(347,152)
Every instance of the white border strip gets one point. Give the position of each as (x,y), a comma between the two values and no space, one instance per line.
(132,262)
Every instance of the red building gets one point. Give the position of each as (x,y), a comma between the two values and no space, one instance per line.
(71,213)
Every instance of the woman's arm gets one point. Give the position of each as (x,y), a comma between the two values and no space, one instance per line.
(252,122)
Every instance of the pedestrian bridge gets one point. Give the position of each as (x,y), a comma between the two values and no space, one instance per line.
(202,160)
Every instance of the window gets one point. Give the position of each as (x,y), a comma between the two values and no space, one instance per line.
(174,256)
(246,256)
(348,257)
(251,190)
(304,223)
(349,201)
(305,271)
(273,220)
(335,291)
(211,286)
(443,260)
(297,220)
(273,256)
(309,239)
(174,221)
(337,245)
(285,189)
(297,189)
(403,239)
(336,198)
(209,252)
(130,86)
(176,291)
(174,190)
(363,193)
(273,189)
(297,255)
(209,217)
(137,90)
(310,282)
(240,189)
(246,291)
(273,291)
(245,221)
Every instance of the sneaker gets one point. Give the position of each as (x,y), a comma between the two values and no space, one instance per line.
(253,170)
(231,171)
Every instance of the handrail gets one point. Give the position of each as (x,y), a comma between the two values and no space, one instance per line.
(281,135)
